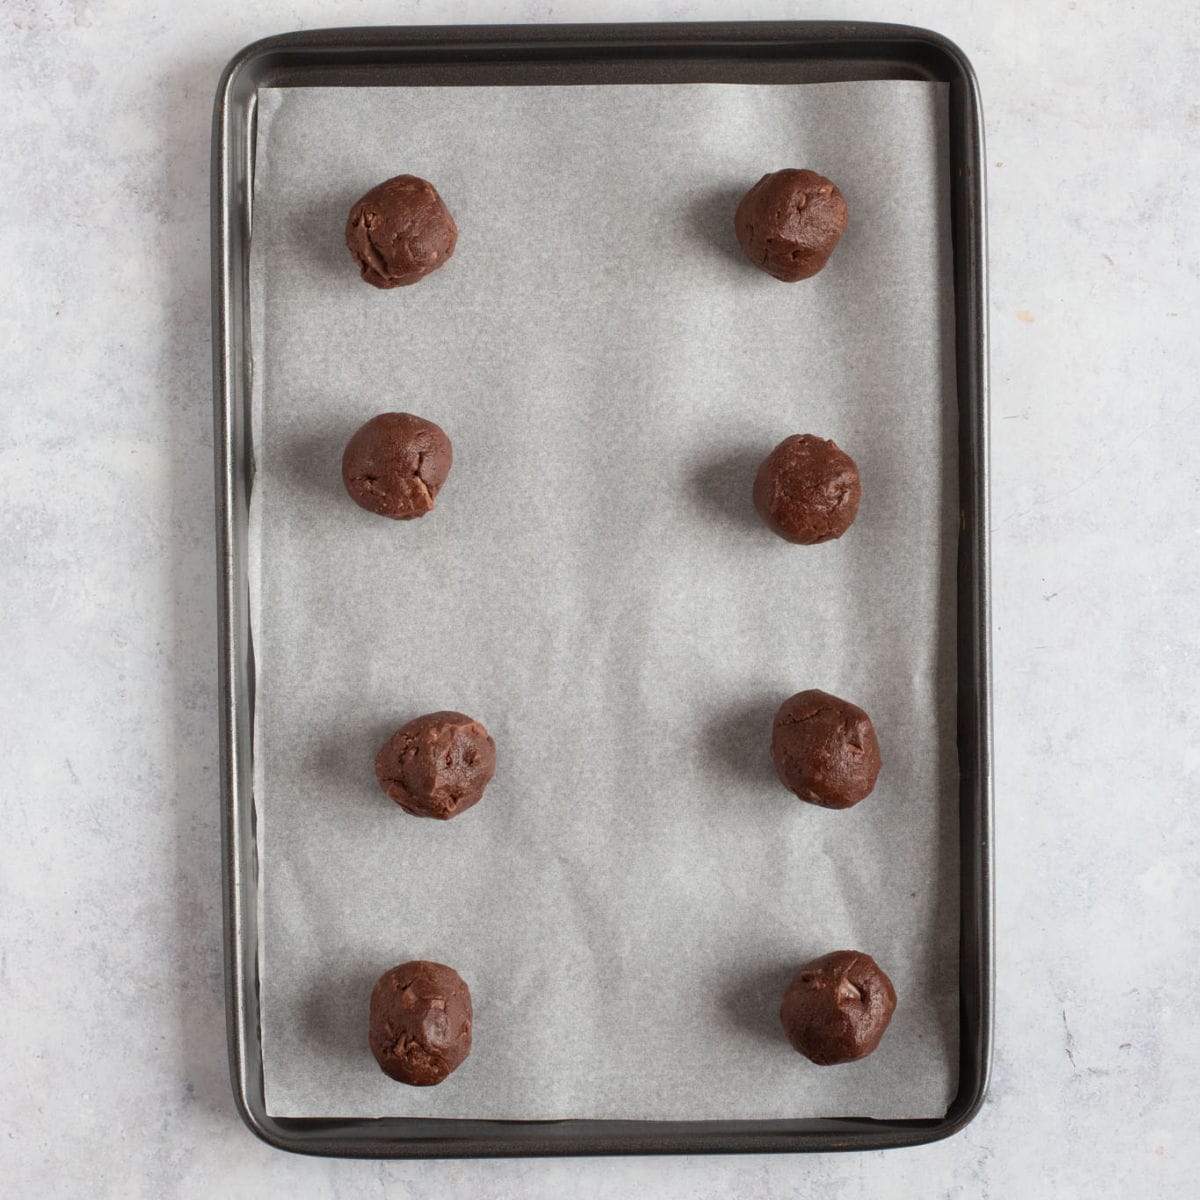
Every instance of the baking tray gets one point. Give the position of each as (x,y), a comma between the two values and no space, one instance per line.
(784,52)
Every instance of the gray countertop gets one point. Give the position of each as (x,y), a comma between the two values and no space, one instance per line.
(113,1074)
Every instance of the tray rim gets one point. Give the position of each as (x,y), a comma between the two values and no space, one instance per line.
(391,47)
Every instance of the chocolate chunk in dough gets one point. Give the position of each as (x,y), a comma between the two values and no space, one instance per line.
(789,222)
(825,750)
(420,1023)
(838,1007)
(807,490)
(438,765)
(396,464)
(400,231)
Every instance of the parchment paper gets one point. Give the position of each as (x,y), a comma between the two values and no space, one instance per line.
(633,893)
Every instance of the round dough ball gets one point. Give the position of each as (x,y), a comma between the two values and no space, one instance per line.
(825,750)
(808,490)
(420,1023)
(838,1007)
(438,765)
(789,222)
(396,464)
(400,231)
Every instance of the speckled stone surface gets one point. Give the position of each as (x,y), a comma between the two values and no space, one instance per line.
(112,1072)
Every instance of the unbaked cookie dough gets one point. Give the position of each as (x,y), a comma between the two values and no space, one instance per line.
(824,749)
(808,490)
(396,464)
(789,222)
(838,1007)
(438,765)
(400,231)
(420,1022)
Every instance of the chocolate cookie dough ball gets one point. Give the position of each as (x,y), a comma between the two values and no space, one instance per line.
(807,490)
(825,750)
(420,1024)
(438,765)
(789,222)
(838,1007)
(396,464)
(400,231)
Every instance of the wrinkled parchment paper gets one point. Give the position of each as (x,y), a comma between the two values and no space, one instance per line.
(633,893)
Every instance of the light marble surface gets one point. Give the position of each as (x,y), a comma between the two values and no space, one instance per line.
(112,1059)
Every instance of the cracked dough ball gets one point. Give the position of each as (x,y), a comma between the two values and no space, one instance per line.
(789,222)
(438,765)
(825,750)
(400,231)
(808,490)
(837,1008)
(420,1023)
(396,464)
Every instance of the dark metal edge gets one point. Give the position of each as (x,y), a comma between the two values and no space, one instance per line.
(233,715)
(357,1138)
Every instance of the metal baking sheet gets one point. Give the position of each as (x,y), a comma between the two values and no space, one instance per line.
(461,1129)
